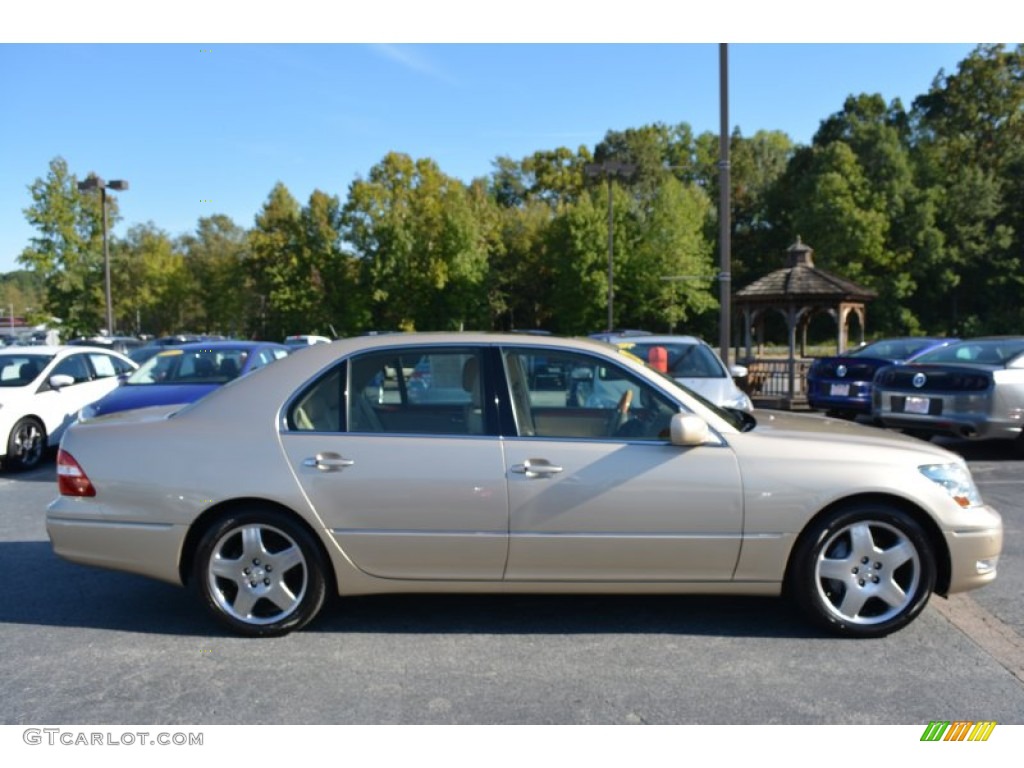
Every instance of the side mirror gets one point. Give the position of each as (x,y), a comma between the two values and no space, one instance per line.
(738,371)
(687,429)
(59,380)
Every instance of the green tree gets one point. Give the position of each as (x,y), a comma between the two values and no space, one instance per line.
(969,131)
(274,264)
(68,251)
(424,255)
(215,258)
(666,276)
(152,288)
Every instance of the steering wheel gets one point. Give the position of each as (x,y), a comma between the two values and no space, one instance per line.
(621,411)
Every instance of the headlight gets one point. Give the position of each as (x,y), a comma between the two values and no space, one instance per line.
(957,481)
(740,401)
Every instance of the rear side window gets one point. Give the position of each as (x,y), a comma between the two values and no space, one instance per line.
(319,407)
(103,365)
(418,391)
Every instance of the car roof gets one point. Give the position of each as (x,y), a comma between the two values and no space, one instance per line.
(655,339)
(40,349)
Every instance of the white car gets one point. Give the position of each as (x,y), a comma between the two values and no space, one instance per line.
(42,389)
(692,362)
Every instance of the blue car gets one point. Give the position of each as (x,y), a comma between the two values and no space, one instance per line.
(841,386)
(184,373)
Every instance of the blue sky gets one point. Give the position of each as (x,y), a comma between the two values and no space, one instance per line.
(199,128)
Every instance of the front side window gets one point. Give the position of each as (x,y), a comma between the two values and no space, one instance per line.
(73,366)
(570,395)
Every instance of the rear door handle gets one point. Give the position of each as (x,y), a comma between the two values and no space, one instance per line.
(328,462)
(536,468)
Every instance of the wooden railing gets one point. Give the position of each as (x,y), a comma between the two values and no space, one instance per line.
(776,382)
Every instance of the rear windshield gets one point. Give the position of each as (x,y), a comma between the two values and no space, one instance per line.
(982,351)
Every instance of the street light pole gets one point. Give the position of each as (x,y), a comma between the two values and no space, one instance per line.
(724,207)
(94,182)
(610,169)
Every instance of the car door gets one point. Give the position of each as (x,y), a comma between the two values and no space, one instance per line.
(409,480)
(597,493)
(60,407)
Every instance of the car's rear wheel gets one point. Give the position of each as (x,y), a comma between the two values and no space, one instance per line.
(863,571)
(260,573)
(26,444)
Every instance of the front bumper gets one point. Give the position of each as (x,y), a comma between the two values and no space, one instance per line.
(974,552)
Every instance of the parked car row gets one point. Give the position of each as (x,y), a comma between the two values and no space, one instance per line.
(970,389)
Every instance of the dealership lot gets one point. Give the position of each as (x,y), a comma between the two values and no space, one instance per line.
(88,646)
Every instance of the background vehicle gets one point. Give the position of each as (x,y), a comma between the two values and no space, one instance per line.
(41,391)
(973,389)
(123,344)
(841,385)
(280,488)
(186,372)
(305,341)
(690,361)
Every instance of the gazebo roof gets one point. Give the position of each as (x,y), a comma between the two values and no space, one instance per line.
(800,281)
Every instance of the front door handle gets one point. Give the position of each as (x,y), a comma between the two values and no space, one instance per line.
(327,462)
(536,468)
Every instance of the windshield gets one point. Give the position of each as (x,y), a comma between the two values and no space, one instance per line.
(738,419)
(683,360)
(983,351)
(21,369)
(216,365)
(893,349)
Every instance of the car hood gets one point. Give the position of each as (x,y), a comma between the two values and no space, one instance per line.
(814,430)
(718,391)
(129,396)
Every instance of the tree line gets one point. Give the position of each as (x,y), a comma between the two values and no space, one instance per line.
(923,205)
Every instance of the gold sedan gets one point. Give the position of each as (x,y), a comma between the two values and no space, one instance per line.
(511,463)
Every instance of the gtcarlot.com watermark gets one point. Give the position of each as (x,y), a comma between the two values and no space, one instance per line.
(69,738)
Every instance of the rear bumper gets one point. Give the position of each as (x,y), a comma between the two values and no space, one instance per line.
(148,549)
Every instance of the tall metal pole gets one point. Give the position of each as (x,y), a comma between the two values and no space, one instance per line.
(611,258)
(106,264)
(724,212)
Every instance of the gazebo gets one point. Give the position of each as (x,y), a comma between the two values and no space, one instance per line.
(798,292)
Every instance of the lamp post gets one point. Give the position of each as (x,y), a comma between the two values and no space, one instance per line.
(94,182)
(609,169)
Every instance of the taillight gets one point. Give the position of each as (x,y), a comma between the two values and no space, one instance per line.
(71,478)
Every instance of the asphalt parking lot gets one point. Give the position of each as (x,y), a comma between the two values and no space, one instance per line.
(83,645)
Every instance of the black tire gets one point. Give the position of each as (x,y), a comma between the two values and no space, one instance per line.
(26,445)
(260,573)
(864,570)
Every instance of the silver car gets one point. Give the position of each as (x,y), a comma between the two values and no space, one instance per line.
(973,389)
(320,474)
(693,363)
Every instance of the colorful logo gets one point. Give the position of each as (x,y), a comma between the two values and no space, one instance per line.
(958,730)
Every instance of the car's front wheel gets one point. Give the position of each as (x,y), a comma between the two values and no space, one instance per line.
(260,573)
(863,571)
(25,445)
